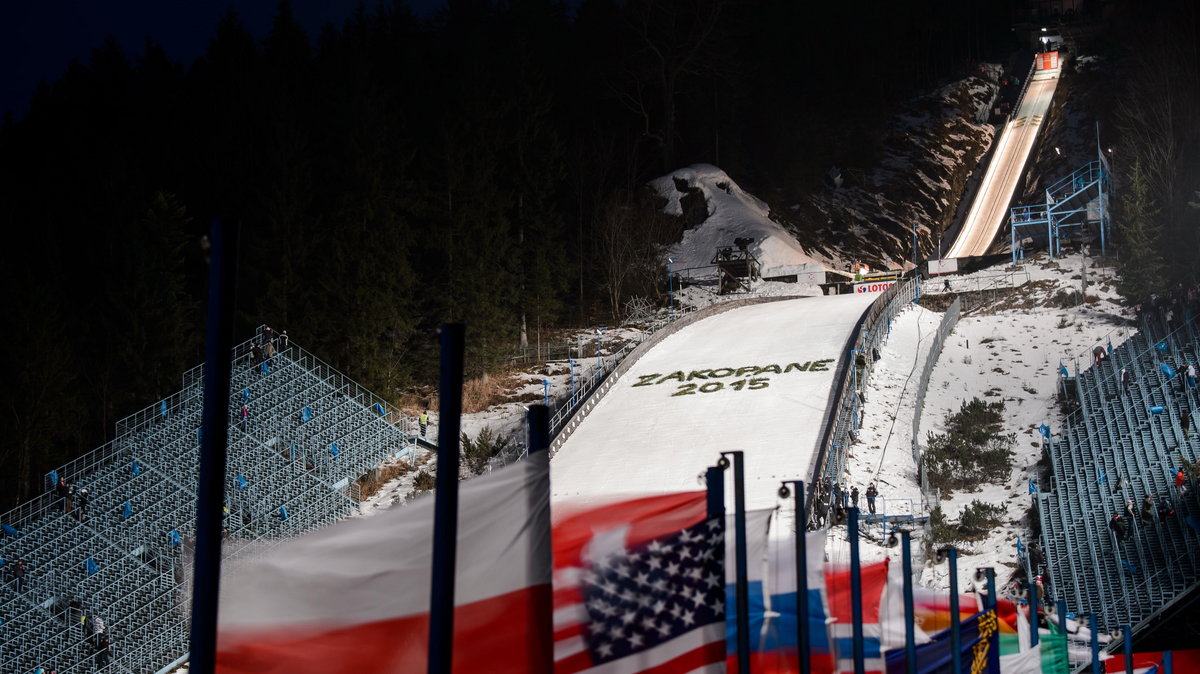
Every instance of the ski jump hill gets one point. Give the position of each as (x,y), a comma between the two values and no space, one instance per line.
(756,378)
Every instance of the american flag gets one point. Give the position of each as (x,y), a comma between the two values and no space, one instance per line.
(654,605)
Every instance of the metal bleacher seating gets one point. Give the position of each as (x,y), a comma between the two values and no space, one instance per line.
(1124,443)
(126,562)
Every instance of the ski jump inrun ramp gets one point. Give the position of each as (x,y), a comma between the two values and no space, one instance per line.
(755,378)
(991,206)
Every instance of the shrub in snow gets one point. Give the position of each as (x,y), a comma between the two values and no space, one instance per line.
(973,450)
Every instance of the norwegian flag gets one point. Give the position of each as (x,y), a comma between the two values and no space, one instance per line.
(640,585)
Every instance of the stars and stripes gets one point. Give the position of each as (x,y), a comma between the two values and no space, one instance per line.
(639,598)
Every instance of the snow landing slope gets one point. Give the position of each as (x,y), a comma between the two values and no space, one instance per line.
(755,378)
(729,213)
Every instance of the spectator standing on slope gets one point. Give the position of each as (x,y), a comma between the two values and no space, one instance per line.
(1165,509)
(1124,378)
(1148,509)
(283,341)
(423,420)
(872,492)
(1118,527)
(1191,374)
(854,496)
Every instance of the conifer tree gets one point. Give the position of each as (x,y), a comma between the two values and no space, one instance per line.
(1138,231)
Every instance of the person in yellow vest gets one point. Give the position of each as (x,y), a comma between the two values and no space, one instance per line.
(424,421)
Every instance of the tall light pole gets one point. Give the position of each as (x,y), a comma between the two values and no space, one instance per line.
(599,363)
(671,281)
(916,269)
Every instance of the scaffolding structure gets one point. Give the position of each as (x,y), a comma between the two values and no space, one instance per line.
(1072,207)
(293,465)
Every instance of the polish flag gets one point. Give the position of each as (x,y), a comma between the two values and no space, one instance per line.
(354,597)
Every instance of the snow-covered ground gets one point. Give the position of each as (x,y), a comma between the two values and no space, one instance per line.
(1009,353)
(755,378)
(731,213)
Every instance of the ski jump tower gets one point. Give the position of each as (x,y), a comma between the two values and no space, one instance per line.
(1071,207)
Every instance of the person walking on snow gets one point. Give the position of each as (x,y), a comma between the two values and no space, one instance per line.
(872,492)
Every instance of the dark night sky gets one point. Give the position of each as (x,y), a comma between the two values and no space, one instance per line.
(38,38)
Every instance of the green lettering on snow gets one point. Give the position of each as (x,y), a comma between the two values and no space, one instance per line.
(770,368)
(797,367)
(716,374)
(821,365)
(647,379)
(749,369)
(676,375)
(697,374)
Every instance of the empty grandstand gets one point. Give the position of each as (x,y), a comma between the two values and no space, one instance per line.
(117,552)
(1125,442)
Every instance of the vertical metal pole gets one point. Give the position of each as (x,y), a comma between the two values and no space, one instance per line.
(993,652)
(670,287)
(445,507)
(802,627)
(572,362)
(546,391)
(599,364)
(856,610)
(743,582)
(1061,607)
(854,387)
(1127,632)
(1168,662)
(910,637)
(214,435)
(955,634)
(540,629)
(1033,615)
(715,477)
(1095,643)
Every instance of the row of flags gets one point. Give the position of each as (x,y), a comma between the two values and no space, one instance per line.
(635,585)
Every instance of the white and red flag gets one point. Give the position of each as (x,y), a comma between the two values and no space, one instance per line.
(354,597)
(639,586)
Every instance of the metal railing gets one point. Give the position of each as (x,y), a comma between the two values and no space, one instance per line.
(949,320)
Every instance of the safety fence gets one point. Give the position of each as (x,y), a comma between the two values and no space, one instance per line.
(853,368)
(949,320)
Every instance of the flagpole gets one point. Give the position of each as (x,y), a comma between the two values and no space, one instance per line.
(802,645)
(1127,632)
(214,435)
(993,602)
(715,478)
(445,505)
(955,635)
(1095,643)
(910,636)
(743,582)
(860,664)
(541,629)
(1033,615)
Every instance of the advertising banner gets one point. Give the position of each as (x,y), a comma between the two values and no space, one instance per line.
(874,287)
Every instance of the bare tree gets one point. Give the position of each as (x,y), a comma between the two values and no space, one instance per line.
(673,36)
